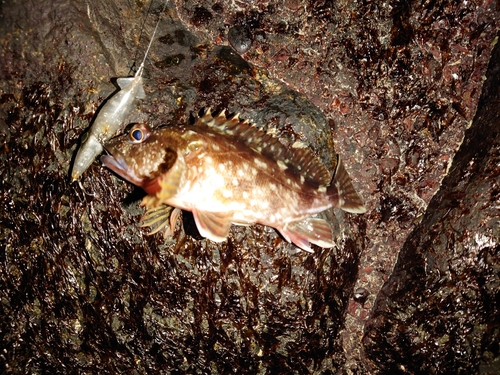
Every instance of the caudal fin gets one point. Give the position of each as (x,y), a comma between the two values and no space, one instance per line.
(136,83)
(349,199)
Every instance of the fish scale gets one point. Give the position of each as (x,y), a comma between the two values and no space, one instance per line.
(268,145)
(226,171)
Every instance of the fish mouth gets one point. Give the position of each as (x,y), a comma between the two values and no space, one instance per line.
(118,165)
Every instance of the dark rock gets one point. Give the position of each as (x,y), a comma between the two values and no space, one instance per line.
(84,290)
(440,310)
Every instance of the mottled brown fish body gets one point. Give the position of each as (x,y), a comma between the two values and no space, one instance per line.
(227,176)
(227,171)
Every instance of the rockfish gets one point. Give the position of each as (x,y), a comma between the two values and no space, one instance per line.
(226,171)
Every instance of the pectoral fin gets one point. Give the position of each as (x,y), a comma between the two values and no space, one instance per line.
(214,226)
(310,230)
(163,217)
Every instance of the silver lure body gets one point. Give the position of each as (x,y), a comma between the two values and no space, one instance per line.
(107,122)
(111,115)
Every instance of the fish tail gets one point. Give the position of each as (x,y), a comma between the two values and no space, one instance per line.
(342,189)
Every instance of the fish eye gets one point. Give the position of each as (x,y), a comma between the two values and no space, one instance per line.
(139,133)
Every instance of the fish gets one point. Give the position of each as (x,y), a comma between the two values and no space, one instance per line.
(227,171)
(111,116)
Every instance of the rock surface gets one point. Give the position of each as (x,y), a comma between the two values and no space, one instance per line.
(449,267)
(394,86)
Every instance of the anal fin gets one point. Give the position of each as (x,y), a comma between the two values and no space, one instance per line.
(311,230)
(213,225)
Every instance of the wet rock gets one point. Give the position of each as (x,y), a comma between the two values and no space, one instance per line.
(439,311)
(81,281)
(82,289)
(360,295)
(240,38)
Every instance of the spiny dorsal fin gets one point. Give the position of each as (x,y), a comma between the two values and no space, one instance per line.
(299,160)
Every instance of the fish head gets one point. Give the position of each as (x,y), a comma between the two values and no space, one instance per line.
(140,156)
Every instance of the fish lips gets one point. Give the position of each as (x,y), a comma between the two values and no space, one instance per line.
(118,165)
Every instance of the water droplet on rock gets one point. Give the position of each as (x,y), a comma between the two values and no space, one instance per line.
(240,38)
(360,295)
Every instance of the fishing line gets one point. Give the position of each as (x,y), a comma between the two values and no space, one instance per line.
(151,40)
(140,36)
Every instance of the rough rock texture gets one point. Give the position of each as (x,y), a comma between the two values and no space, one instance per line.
(84,290)
(455,255)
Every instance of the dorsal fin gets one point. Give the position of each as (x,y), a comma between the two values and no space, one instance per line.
(299,160)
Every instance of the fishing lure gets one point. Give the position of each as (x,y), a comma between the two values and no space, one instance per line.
(111,116)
